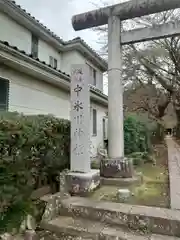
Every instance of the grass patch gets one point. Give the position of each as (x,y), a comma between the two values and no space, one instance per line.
(155,188)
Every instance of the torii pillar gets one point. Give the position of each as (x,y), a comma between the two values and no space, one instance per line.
(116,165)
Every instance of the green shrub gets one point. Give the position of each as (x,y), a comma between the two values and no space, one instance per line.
(138,158)
(95,164)
(136,136)
(141,157)
(33,150)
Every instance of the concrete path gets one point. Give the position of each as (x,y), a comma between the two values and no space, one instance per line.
(174,172)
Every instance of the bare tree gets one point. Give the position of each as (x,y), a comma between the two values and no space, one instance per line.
(151,65)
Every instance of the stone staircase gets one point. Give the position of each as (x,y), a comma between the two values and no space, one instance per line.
(82,218)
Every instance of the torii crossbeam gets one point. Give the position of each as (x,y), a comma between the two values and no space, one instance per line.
(126,10)
(113,15)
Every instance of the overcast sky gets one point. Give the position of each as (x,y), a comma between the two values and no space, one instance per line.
(56,15)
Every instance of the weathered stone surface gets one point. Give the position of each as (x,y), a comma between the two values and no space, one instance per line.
(174,172)
(123,194)
(31,222)
(53,206)
(125,10)
(146,219)
(114,168)
(41,192)
(160,31)
(86,229)
(47,235)
(53,201)
(30,235)
(6,236)
(62,182)
(82,183)
(121,181)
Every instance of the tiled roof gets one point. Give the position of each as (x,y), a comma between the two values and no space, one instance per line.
(94,89)
(80,40)
(61,41)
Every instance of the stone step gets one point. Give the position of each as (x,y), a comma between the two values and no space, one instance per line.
(155,220)
(86,229)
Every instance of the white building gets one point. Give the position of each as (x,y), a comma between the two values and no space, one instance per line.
(34,70)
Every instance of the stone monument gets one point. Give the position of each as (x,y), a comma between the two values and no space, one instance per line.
(81,180)
(116,165)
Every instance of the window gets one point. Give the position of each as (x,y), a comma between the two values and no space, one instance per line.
(34,46)
(93,75)
(94,118)
(4,94)
(53,62)
(104,129)
(105,124)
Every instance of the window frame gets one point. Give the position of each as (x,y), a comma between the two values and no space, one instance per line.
(5,106)
(94,77)
(94,122)
(93,74)
(34,45)
(53,62)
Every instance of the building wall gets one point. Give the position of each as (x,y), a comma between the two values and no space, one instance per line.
(74,57)
(20,37)
(32,96)
(97,141)
(45,51)
(14,33)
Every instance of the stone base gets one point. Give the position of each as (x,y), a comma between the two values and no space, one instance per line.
(117,168)
(121,182)
(82,184)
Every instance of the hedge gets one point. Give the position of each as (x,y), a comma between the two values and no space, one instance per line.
(33,149)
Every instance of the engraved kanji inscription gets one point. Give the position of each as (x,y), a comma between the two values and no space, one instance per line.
(77,89)
(78,71)
(78,105)
(79,119)
(78,74)
(78,150)
(78,132)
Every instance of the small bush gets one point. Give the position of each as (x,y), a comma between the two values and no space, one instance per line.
(136,136)
(33,150)
(138,158)
(95,165)
(141,157)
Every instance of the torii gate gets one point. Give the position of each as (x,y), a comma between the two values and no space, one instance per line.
(113,15)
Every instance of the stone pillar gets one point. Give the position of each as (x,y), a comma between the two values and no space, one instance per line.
(80,119)
(81,180)
(115,90)
(116,165)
